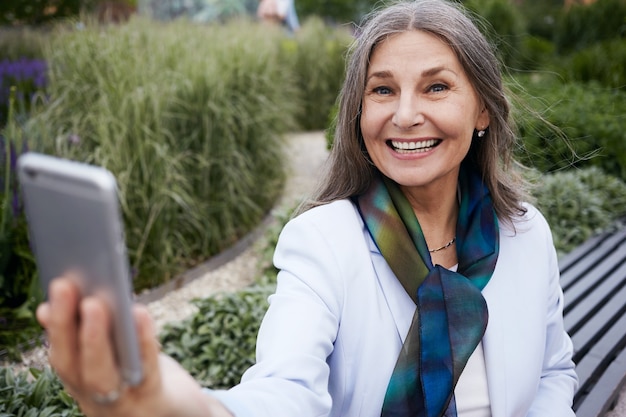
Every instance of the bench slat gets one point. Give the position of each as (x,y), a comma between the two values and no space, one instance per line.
(593,278)
(596,297)
(604,394)
(601,321)
(576,265)
(585,295)
(591,366)
(580,251)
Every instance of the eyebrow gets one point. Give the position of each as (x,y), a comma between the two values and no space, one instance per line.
(379,74)
(436,70)
(426,73)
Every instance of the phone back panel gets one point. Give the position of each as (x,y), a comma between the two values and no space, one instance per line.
(75,227)
(68,210)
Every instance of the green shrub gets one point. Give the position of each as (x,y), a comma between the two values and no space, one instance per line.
(602,62)
(189,118)
(540,17)
(581,26)
(536,53)
(505,29)
(589,116)
(579,203)
(35,394)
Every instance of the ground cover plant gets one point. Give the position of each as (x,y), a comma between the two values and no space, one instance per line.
(36,393)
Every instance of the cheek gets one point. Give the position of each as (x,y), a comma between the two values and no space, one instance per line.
(370,121)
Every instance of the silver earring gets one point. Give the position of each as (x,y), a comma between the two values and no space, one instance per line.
(481,133)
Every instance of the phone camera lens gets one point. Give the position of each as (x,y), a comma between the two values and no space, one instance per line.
(31,172)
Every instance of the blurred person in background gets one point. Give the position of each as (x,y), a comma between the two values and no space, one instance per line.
(279,11)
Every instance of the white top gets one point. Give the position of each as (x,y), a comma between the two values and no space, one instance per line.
(472,392)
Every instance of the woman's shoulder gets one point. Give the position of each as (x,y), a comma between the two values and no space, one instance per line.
(528,224)
(533,216)
(337,223)
(334,214)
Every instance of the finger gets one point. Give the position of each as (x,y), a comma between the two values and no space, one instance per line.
(62,327)
(149,347)
(99,370)
(43,314)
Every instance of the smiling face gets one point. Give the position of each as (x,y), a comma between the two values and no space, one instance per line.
(419,111)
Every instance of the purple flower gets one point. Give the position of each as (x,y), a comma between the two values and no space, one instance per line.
(27,75)
(15,196)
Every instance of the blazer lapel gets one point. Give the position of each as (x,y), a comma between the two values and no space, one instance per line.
(400,305)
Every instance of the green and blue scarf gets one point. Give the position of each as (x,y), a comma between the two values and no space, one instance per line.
(451,314)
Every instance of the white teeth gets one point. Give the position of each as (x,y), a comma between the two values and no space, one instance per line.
(414,146)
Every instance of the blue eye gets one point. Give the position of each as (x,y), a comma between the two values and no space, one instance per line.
(438,88)
(382,90)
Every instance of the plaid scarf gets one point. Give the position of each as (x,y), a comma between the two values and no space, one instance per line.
(451,314)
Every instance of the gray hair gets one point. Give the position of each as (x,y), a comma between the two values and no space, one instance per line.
(350,171)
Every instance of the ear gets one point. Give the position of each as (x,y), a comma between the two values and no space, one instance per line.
(482,122)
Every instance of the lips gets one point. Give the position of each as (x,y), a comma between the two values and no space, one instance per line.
(413,146)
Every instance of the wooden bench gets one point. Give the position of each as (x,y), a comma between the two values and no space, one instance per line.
(593,277)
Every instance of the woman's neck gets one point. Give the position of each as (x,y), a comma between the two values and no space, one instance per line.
(437,212)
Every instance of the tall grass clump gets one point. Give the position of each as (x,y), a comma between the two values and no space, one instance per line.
(189,118)
(22,42)
(317,53)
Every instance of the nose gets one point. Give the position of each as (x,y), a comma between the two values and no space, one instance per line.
(408,112)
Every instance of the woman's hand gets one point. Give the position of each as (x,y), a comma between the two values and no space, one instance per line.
(81,353)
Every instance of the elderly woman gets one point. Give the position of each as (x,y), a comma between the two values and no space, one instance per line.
(416,282)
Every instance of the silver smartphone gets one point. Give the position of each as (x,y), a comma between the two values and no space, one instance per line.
(75,226)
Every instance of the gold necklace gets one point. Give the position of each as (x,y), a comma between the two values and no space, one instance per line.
(444,246)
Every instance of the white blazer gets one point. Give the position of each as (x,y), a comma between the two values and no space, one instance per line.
(331,337)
